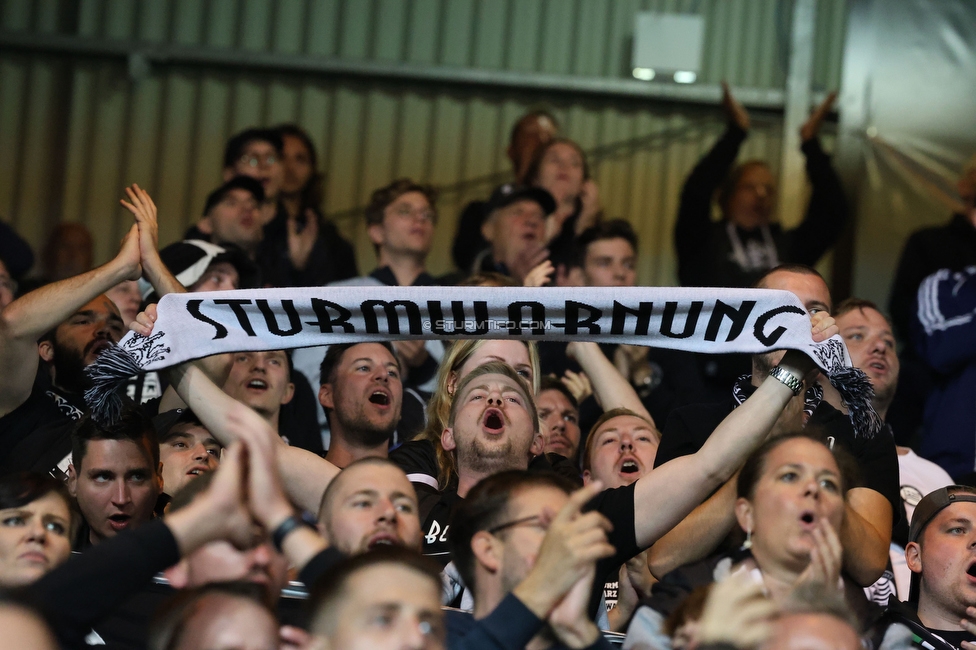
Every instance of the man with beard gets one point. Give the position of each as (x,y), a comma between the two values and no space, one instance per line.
(67,324)
(361,393)
(370,503)
(493,426)
(872,506)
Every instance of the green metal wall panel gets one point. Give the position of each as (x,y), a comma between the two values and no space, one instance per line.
(165,129)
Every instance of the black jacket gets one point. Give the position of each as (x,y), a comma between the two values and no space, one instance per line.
(952,246)
(703,246)
(509,627)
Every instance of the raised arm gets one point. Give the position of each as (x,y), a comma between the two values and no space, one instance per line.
(827,211)
(29,317)
(141,206)
(305,475)
(666,495)
(866,534)
(698,534)
(611,388)
(695,207)
(26,319)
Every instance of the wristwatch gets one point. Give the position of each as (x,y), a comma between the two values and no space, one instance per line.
(791,381)
(285,528)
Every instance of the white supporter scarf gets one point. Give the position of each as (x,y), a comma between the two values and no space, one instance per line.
(709,320)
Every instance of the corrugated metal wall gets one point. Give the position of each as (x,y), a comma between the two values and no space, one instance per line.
(74,133)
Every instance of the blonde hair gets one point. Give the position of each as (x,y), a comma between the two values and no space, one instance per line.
(439,406)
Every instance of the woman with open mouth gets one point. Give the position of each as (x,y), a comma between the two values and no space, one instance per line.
(791,506)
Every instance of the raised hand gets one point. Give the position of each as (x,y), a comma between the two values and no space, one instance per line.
(266,494)
(413,353)
(539,275)
(225,498)
(145,321)
(735,112)
(634,582)
(969,625)
(574,542)
(826,557)
(128,255)
(737,613)
(141,205)
(811,127)
(569,620)
(526,260)
(823,326)
(578,384)
(300,244)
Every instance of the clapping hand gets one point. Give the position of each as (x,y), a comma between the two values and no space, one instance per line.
(735,112)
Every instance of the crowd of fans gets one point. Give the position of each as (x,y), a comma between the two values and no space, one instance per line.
(488,493)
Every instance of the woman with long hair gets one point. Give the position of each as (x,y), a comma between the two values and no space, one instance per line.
(560,168)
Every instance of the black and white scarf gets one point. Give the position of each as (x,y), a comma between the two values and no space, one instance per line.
(710,320)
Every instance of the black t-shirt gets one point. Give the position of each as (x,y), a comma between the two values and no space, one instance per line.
(955,638)
(617,505)
(690,426)
(37,434)
(905,613)
(418,460)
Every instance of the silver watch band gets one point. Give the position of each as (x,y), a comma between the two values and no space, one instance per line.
(791,381)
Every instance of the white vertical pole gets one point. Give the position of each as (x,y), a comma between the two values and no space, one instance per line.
(792,179)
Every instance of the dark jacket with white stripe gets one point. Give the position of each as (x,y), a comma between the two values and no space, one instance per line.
(944,335)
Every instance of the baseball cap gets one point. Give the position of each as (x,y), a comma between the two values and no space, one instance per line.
(189,259)
(932,504)
(252,185)
(165,421)
(509,193)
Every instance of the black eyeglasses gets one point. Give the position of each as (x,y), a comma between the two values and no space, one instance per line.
(534,520)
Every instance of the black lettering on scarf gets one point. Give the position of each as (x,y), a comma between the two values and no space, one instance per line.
(691,321)
(538,317)
(237,306)
(294,322)
(325,321)
(779,331)
(643,314)
(737,316)
(392,317)
(193,308)
(573,322)
(434,308)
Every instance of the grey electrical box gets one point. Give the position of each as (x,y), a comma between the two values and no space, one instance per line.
(668,43)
